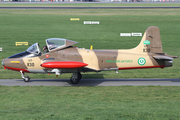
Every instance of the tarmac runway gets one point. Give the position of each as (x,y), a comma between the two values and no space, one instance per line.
(38,3)
(92,82)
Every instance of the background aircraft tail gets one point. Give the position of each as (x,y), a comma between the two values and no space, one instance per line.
(151,41)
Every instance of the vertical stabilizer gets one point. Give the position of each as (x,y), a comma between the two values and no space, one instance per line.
(151,41)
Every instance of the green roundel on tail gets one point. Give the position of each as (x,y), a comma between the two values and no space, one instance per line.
(147,42)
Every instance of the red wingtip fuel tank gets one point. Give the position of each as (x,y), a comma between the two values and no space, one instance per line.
(64,64)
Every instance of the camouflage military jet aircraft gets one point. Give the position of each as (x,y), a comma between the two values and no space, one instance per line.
(62,57)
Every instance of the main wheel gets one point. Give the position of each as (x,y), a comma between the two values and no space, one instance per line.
(79,76)
(76,78)
(74,81)
(26,79)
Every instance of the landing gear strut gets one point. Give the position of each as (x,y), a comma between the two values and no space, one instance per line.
(76,78)
(25,78)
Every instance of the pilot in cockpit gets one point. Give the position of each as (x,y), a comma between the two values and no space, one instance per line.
(45,49)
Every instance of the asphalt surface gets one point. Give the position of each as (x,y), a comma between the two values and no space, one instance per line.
(92,82)
(88,7)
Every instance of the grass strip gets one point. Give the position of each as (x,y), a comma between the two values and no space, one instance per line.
(90,103)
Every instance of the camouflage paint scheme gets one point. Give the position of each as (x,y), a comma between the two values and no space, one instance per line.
(148,54)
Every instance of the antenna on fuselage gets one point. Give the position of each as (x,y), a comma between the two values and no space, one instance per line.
(91,47)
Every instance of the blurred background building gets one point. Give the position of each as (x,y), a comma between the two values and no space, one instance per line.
(89,0)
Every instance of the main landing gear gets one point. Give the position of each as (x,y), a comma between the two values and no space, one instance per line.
(76,77)
(25,78)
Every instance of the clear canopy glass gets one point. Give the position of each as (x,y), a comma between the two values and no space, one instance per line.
(54,43)
(35,49)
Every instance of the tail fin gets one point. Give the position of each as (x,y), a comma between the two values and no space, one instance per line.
(151,41)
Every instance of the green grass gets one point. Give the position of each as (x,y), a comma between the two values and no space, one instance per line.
(90,103)
(37,25)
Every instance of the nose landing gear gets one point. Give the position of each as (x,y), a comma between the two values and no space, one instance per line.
(25,78)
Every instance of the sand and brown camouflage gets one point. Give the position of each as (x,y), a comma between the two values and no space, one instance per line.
(148,54)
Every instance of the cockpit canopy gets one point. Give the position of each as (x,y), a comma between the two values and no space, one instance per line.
(35,49)
(58,43)
(52,44)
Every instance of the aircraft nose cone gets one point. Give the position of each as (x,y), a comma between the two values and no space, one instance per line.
(12,64)
(2,63)
(7,62)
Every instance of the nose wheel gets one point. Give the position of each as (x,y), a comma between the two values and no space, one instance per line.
(25,78)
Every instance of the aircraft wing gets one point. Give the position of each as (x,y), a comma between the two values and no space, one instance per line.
(63,64)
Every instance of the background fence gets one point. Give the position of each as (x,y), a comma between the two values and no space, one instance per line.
(90,0)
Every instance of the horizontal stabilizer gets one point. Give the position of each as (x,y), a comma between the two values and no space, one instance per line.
(63,64)
(162,57)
